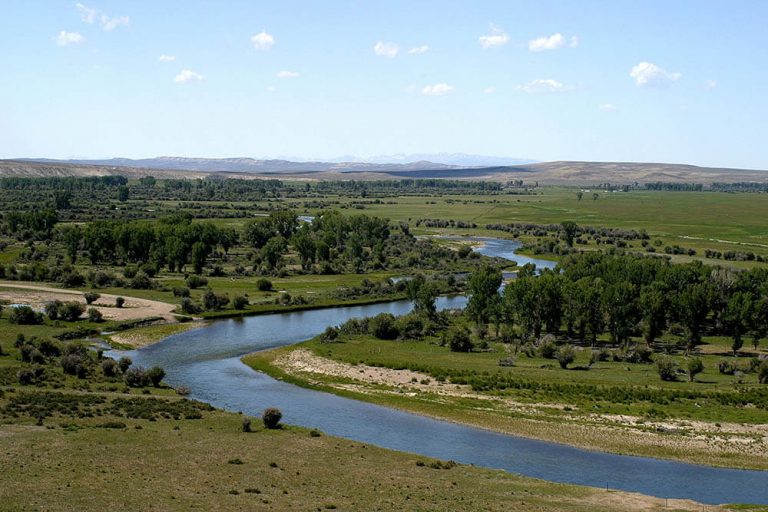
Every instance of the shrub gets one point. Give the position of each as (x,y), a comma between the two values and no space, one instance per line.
(180,291)
(272,417)
(124,363)
(547,346)
(667,368)
(136,377)
(71,311)
(25,376)
(213,301)
(101,279)
(52,308)
(458,340)
(119,302)
(109,367)
(24,315)
(330,335)
(565,355)
(91,297)
(94,315)
(762,374)
(72,364)
(246,424)
(189,307)
(264,285)
(383,326)
(694,366)
(156,375)
(507,361)
(196,281)
(726,367)
(141,281)
(240,302)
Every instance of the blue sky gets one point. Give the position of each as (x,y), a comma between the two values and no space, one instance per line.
(663,81)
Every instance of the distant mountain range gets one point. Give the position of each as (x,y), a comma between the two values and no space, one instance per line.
(565,173)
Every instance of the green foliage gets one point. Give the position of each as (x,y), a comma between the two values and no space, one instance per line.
(565,355)
(383,326)
(119,301)
(264,285)
(458,340)
(136,377)
(24,315)
(156,375)
(240,302)
(694,366)
(666,368)
(94,315)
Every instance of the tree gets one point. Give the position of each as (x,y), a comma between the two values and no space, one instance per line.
(692,309)
(200,252)
(570,229)
(738,316)
(272,252)
(72,237)
(423,294)
(694,366)
(119,301)
(653,310)
(565,355)
(271,417)
(620,309)
(305,245)
(579,195)
(483,290)
(122,193)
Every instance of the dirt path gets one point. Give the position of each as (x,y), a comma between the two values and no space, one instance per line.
(133,309)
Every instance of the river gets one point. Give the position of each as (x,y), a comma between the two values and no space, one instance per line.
(207,360)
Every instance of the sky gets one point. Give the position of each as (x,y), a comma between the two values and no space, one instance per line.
(615,80)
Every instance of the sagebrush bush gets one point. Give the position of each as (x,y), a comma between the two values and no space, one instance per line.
(271,417)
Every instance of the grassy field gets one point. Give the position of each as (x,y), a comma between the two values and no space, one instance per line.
(210,464)
(611,406)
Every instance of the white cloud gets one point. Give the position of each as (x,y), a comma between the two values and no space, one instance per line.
(419,50)
(497,37)
(437,90)
(388,50)
(263,41)
(710,84)
(287,74)
(489,90)
(166,58)
(608,107)
(87,14)
(187,75)
(108,23)
(68,38)
(575,41)
(646,74)
(544,85)
(552,42)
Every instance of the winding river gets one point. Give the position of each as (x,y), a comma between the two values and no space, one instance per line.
(207,361)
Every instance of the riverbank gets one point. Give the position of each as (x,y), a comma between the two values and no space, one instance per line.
(731,445)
